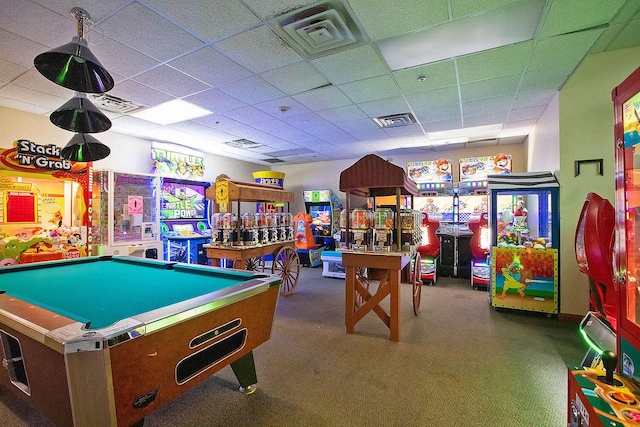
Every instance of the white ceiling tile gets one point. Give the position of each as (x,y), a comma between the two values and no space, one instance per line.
(23,106)
(402,131)
(171,81)
(342,114)
(19,50)
(358,125)
(442,125)
(372,89)
(148,32)
(282,107)
(532,99)
(210,66)
(382,19)
(526,113)
(436,76)
(563,19)
(295,78)
(444,97)
(258,50)
(569,48)
(484,119)
(208,20)
(438,114)
(142,94)
(270,9)
(30,96)
(487,106)
(34,22)
(252,90)
(216,101)
(248,115)
(351,65)
(486,89)
(322,99)
(384,107)
(120,59)
(134,124)
(502,61)
(10,71)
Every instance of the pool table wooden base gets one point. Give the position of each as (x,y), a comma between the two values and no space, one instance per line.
(123,382)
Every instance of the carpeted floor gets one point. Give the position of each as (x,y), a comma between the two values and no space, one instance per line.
(459,363)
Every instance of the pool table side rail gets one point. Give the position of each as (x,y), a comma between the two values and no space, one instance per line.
(67,335)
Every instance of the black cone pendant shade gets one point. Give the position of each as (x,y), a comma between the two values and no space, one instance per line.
(73,65)
(84,148)
(80,115)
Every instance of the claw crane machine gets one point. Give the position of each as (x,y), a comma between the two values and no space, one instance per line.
(609,394)
(525,221)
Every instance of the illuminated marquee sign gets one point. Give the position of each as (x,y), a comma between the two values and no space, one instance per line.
(177,165)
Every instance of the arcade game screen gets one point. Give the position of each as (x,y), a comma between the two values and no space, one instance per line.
(439,208)
(320,215)
(471,206)
(182,201)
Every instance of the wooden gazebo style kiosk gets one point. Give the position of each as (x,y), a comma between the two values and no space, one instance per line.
(286,262)
(372,176)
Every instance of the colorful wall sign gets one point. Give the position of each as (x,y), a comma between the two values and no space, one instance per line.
(477,168)
(177,165)
(430,171)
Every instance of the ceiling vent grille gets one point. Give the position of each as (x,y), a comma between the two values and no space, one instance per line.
(242,143)
(320,29)
(113,104)
(395,120)
(272,160)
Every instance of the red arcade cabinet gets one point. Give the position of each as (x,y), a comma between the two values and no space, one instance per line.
(429,250)
(480,245)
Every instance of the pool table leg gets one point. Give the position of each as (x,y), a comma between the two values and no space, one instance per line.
(245,370)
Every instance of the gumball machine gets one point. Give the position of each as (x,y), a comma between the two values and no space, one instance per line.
(383,225)
(272,226)
(410,221)
(343,229)
(249,229)
(263,231)
(229,229)
(361,227)
(216,228)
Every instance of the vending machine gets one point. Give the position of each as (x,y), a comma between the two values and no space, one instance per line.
(525,223)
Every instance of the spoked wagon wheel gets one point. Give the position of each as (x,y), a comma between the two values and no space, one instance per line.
(254,264)
(286,264)
(417,284)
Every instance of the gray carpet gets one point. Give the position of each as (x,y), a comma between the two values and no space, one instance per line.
(459,363)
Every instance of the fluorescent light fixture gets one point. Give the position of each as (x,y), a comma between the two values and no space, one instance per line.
(171,112)
(498,27)
(488,131)
(515,132)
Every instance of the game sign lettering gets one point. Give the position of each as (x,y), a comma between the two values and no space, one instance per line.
(40,156)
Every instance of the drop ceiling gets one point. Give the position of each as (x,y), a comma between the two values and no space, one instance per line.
(450,65)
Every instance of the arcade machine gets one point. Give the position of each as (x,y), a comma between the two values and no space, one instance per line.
(184,220)
(594,245)
(309,251)
(525,241)
(125,214)
(324,208)
(44,211)
(480,244)
(609,396)
(429,250)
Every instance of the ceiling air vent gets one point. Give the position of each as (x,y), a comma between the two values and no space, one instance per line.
(320,29)
(395,120)
(113,104)
(242,143)
(272,160)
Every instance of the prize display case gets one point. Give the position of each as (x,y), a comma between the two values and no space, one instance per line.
(525,223)
(125,214)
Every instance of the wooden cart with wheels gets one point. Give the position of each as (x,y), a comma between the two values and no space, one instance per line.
(372,176)
(285,261)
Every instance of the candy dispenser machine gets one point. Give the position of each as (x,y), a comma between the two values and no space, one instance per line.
(361,227)
(249,228)
(229,229)
(216,228)
(383,225)
(410,222)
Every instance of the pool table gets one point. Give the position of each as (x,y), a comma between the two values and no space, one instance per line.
(107,340)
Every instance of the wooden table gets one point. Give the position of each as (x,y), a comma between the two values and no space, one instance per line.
(286,262)
(359,300)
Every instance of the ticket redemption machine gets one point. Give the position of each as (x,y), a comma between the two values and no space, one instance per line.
(126,218)
(525,219)
(609,394)
(185,215)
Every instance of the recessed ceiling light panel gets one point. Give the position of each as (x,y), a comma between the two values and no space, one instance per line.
(171,112)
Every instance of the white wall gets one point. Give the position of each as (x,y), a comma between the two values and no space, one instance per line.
(543,150)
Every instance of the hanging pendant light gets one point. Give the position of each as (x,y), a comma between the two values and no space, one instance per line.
(80,115)
(73,65)
(84,148)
